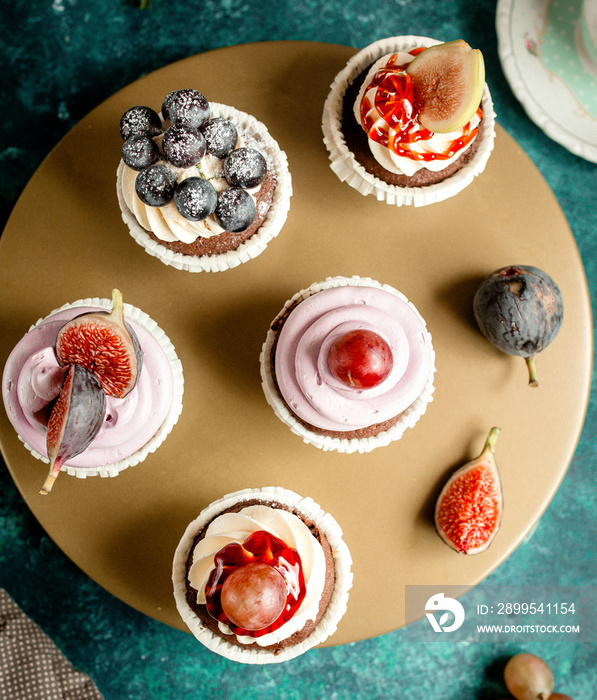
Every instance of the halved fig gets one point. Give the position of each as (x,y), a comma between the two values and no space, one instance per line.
(448,80)
(468,511)
(104,344)
(75,419)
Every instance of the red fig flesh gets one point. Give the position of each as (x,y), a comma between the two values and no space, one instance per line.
(469,508)
(104,344)
(76,418)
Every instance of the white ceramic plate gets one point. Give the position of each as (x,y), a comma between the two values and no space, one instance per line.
(538,48)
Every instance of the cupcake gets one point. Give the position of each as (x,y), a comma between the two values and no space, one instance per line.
(93,388)
(202,186)
(262,575)
(392,132)
(348,364)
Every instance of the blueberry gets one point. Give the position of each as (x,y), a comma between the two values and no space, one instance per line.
(166,105)
(183,145)
(245,167)
(140,120)
(140,151)
(187,107)
(221,136)
(155,185)
(235,210)
(195,198)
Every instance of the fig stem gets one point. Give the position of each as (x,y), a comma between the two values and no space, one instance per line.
(48,483)
(55,466)
(491,440)
(117,305)
(533,380)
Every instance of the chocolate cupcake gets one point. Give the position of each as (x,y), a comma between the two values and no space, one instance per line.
(262,575)
(348,364)
(375,141)
(201,191)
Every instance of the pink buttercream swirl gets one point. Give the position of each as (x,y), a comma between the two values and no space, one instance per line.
(301,366)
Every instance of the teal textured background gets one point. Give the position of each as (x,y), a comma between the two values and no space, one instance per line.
(61,59)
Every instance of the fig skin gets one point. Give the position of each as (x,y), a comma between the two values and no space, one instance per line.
(519,309)
(75,419)
(456,509)
(70,347)
(448,79)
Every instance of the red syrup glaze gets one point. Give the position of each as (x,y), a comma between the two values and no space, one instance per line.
(395,101)
(263,547)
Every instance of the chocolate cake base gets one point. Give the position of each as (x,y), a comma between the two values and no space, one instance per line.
(357,142)
(227,240)
(330,578)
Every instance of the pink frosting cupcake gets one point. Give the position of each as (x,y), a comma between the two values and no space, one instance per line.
(132,426)
(326,409)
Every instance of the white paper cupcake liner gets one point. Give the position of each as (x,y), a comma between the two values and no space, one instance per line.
(325,442)
(140,317)
(257,243)
(345,165)
(338,602)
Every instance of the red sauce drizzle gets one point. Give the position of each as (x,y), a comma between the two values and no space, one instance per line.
(259,547)
(395,102)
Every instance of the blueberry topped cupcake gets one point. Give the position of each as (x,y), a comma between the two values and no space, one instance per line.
(203,186)
(410,120)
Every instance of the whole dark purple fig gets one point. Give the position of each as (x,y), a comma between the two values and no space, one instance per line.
(519,309)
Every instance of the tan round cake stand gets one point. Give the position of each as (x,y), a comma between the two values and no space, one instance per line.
(65,240)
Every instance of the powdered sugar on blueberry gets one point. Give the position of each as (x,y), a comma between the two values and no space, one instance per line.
(207,151)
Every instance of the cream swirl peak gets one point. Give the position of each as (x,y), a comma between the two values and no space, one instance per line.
(302,369)
(386,109)
(237,527)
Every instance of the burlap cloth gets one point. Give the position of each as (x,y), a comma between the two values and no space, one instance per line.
(31,666)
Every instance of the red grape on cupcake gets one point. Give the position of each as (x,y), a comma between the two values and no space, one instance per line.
(348,364)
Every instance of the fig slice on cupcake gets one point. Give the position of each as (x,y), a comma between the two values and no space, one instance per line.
(448,80)
(410,120)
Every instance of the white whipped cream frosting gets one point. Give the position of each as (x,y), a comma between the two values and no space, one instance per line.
(301,368)
(437,143)
(166,222)
(237,527)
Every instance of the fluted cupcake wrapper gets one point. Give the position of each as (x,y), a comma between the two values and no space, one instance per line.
(253,246)
(345,165)
(342,566)
(325,442)
(131,313)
